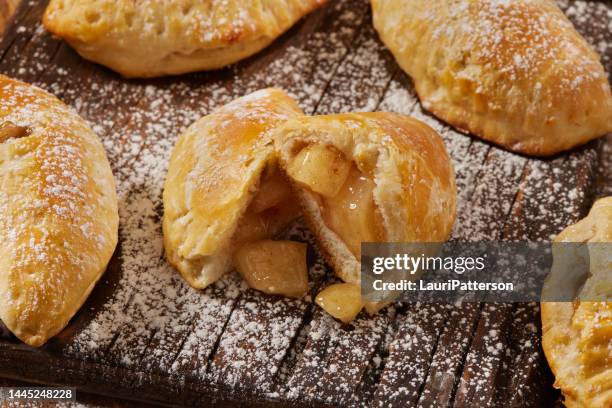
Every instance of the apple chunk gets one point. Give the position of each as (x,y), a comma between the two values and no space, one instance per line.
(321,168)
(274,267)
(353,214)
(374,307)
(341,300)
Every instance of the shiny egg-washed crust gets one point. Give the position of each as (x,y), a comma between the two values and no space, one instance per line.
(149,38)
(58,212)
(515,73)
(213,175)
(415,189)
(576,337)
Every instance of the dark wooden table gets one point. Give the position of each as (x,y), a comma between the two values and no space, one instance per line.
(145,335)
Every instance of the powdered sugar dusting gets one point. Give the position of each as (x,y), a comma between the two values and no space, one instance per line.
(153,322)
(519,39)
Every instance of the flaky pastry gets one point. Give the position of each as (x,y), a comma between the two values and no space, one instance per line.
(577,337)
(368,177)
(58,212)
(149,38)
(224,189)
(515,73)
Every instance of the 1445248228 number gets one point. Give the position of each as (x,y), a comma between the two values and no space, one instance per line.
(37,394)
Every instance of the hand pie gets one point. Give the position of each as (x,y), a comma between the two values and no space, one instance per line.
(149,38)
(368,177)
(58,212)
(224,188)
(577,336)
(515,73)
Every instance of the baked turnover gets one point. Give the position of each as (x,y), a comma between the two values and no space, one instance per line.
(224,191)
(515,73)
(360,178)
(150,38)
(577,337)
(368,177)
(58,212)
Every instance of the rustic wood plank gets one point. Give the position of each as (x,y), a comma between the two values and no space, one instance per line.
(346,361)
(145,334)
(524,351)
(449,358)
(483,362)
(410,355)
(19,34)
(361,80)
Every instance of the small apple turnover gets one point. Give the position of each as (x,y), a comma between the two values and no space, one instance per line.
(577,336)
(515,73)
(59,218)
(151,38)
(368,177)
(224,191)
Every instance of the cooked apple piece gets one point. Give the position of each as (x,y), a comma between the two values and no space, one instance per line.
(274,267)
(341,300)
(321,168)
(374,307)
(273,190)
(353,214)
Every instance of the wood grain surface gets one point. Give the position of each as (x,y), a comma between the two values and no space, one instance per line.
(145,335)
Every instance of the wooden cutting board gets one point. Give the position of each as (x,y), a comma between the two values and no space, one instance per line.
(146,335)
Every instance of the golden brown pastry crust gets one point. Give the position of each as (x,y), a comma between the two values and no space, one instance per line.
(515,73)
(415,185)
(58,212)
(213,175)
(577,336)
(149,38)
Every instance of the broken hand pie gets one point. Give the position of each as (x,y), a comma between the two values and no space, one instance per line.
(576,336)
(224,189)
(150,38)
(515,73)
(58,212)
(367,177)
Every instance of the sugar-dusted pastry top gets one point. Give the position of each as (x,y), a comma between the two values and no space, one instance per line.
(58,212)
(214,173)
(577,337)
(148,38)
(515,73)
(411,178)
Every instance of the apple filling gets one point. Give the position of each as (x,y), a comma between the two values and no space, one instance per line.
(345,194)
(341,300)
(322,168)
(274,267)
